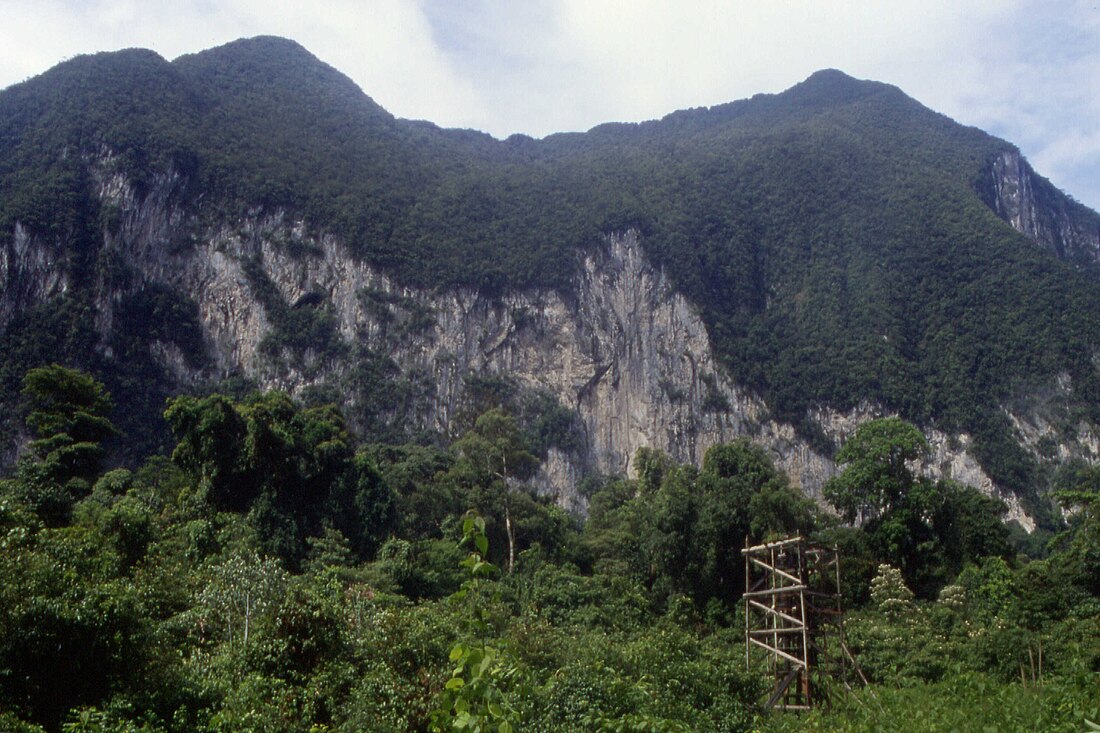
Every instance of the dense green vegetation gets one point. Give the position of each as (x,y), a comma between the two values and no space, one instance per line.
(276,575)
(837,238)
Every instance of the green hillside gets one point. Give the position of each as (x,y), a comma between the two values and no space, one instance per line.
(834,236)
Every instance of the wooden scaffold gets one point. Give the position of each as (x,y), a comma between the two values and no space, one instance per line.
(793,612)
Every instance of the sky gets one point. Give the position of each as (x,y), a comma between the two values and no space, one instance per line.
(1024,70)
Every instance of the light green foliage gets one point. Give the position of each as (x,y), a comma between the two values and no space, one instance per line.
(564,596)
(490,459)
(330,549)
(69,402)
(123,512)
(893,640)
(658,677)
(889,594)
(990,588)
(476,697)
(91,720)
(243,591)
(968,702)
(154,608)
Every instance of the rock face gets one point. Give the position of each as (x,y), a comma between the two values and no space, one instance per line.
(626,354)
(1035,209)
(31,272)
(623,350)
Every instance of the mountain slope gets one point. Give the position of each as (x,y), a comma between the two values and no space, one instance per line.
(843,245)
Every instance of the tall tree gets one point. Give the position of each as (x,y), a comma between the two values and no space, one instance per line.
(491,458)
(294,471)
(68,415)
(928,529)
(876,472)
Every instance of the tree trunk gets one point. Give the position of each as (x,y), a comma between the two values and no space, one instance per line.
(511,532)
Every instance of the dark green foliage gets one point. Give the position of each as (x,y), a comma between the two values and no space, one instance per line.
(65,327)
(304,333)
(294,470)
(876,475)
(67,414)
(680,530)
(1082,542)
(491,460)
(768,214)
(71,631)
(413,472)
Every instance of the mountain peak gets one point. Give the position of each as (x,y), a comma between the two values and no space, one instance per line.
(265,48)
(278,68)
(829,87)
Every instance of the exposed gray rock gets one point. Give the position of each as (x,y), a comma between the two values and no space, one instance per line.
(1028,202)
(31,271)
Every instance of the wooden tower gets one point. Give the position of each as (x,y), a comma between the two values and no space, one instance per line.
(793,613)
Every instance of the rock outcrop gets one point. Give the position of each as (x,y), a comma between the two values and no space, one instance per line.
(1033,207)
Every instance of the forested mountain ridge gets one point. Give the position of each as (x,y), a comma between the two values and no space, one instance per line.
(248,213)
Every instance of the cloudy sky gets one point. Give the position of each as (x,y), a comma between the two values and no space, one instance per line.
(1025,70)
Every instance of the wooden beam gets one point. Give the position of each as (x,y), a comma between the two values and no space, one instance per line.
(782,687)
(772,545)
(775,611)
(760,563)
(776,591)
(770,632)
(793,659)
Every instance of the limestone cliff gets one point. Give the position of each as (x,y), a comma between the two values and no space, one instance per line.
(1037,210)
(624,350)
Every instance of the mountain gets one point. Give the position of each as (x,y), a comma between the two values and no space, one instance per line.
(779,267)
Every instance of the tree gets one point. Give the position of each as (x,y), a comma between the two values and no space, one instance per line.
(67,412)
(361,505)
(876,474)
(294,471)
(743,495)
(681,530)
(209,433)
(929,529)
(889,593)
(242,591)
(1083,539)
(491,457)
(969,525)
